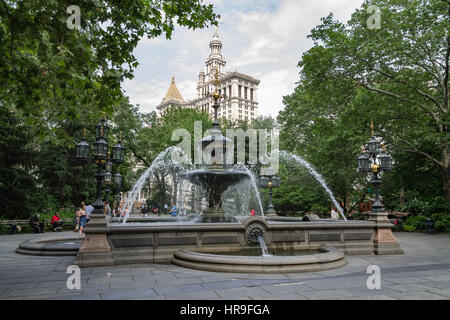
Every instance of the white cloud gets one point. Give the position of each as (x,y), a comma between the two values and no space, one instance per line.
(264,39)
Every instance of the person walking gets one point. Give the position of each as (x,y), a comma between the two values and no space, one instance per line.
(76,221)
(82,223)
(334,214)
(144,209)
(106,208)
(88,211)
(173,211)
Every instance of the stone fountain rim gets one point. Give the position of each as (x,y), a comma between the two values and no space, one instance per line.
(247,264)
(328,254)
(229,226)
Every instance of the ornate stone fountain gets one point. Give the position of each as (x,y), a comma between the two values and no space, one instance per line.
(315,245)
(215,179)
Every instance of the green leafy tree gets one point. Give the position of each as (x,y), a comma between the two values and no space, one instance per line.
(402,68)
(57,80)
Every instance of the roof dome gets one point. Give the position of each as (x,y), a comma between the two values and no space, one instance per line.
(173,92)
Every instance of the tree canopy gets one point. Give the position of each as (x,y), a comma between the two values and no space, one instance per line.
(396,75)
(57,80)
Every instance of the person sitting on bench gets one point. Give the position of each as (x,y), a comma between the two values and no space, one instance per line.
(37,226)
(56,223)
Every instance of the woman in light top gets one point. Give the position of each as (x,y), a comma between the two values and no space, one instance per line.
(334,214)
(82,221)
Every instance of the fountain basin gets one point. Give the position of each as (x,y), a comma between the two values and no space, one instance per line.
(51,246)
(158,242)
(326,258)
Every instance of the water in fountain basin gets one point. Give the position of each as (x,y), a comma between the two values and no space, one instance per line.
(316,175)
(262,243)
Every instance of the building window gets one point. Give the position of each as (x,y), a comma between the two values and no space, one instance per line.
(240,90)
(245,93)
(251,94)
(246,117)
(229,91)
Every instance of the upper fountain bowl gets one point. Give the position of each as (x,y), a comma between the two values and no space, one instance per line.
(219,177)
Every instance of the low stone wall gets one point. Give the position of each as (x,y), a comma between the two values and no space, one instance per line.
(147,243)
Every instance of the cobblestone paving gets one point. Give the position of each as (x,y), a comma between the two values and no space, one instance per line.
(423,272)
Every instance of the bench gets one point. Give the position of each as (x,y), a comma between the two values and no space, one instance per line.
(14,223)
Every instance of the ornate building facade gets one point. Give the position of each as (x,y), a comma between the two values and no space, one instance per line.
(240,91)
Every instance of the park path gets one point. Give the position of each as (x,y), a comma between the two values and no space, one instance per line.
(423,272)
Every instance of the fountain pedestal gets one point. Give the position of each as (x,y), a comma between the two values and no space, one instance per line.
(215,181)
(384,241)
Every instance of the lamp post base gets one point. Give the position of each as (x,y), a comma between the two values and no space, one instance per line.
(384,240)
(271,212)
(95,249)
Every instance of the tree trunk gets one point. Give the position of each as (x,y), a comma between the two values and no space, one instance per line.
(446,182)
(445,171)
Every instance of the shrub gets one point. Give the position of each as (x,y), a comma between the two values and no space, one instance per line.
(441,221)
(42,201)
(414,223)
(426,206)
(398,226)
(408,228)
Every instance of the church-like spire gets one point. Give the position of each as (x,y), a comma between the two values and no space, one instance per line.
(173,92)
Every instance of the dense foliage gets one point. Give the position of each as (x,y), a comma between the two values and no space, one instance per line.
(397,76)
(57,80)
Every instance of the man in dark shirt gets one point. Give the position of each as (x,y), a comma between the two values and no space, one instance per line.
(37,226)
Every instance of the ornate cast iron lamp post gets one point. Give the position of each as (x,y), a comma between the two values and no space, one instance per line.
(118,157)
(270,180)
(375,160)
(95,249)
(118,182)
(108,176)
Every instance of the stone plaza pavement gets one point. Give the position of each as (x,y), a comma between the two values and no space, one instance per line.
(423,272)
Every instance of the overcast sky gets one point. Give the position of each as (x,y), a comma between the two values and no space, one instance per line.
(262,38)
